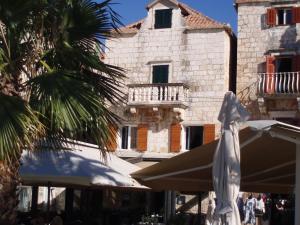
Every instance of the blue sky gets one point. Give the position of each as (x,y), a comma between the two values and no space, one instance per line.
(220,10)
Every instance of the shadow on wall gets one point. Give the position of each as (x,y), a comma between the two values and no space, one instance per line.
(248,98)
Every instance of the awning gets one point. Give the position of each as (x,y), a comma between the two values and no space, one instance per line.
(268,159)
(80,165)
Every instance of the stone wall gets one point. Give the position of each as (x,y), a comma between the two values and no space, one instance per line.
(199,58)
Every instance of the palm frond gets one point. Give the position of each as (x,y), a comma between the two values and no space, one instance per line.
(71,106)
(19,127)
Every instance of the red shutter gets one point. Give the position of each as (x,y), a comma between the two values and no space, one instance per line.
(270,70)
(296,63)
(142,137)
(271,17)
(175,135)
(112,139)
(296,15)
(209,133)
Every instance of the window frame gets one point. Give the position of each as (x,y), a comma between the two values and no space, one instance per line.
(185,133)
(285,9)
(168,75)
(129,137)
(161,63)
(159,27)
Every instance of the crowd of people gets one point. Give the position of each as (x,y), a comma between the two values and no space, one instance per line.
(259,209)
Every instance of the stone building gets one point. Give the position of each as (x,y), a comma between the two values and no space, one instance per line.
(179,64)
(268,61)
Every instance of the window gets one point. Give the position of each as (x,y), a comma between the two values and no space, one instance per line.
(284,65)
(163,18)
(194,137)
(129,137)
(160,74)
(284,16)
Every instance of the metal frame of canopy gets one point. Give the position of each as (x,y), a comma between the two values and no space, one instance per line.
(270,162)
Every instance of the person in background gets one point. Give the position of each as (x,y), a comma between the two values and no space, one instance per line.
(250,210)
(240,204)
(259,209)
(210,211)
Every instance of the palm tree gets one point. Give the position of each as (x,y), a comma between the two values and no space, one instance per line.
(53,84)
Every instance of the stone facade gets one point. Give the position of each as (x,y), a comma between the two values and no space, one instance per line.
(199,58)
(256,41)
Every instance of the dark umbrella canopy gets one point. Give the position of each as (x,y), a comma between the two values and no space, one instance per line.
(268,158)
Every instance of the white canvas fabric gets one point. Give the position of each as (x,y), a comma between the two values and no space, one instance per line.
(226,164)
(82,165)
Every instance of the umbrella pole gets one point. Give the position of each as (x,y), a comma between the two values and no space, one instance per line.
(34,198)
(297,186)
(200,195)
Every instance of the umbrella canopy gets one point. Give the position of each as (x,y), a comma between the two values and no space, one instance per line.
(226,163)
(80,166)
(268,162)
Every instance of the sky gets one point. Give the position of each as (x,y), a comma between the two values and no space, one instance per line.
(220,10)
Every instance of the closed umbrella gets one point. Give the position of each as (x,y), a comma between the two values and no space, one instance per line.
(226,164)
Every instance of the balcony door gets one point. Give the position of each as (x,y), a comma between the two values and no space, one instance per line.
(160,74)
(281,74)
(284,65)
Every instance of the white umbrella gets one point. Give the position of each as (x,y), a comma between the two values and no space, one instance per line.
(226,164)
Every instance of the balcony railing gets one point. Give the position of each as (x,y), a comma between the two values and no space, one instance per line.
(287,83)
(158,94)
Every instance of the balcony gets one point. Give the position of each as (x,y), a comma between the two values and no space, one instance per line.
(157,95)
(279,84)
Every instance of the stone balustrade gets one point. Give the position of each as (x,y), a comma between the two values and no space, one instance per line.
(171,94)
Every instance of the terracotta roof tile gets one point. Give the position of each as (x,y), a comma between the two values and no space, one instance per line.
(193,18)
(196,20)
(132,28)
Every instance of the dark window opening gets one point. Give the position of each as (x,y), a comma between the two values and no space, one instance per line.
(160,74)
(133,137)
(194,137)
(129,137)
(284,65)
(163,18)
(284,16)
(124,143)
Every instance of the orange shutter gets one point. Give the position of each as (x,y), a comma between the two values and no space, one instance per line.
(142,137)
(271,17)
(296,15)
(175,135)
(270,70)
(112,139)
(296,63)
(209,133)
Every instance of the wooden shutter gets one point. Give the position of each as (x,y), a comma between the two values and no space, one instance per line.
(296,14)
(270,70)
(175,135)
(296,63)
(112,139)
(271,17)
(209,133)
(142,137)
